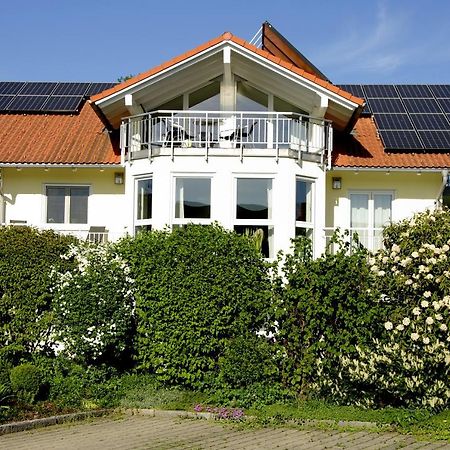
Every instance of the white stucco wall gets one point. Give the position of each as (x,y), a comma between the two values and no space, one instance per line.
(223,171)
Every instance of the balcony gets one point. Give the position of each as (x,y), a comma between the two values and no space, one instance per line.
(171,133)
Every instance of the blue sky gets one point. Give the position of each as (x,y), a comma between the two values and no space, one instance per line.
(366,41)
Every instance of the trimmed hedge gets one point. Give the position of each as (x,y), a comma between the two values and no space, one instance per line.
(197,288)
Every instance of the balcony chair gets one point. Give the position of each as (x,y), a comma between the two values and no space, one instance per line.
(176,133)
(231,132)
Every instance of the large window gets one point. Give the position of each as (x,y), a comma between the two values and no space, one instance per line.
(304,208)
(67,204)
(192,199)
(144,195)
(254,210)
(369,213)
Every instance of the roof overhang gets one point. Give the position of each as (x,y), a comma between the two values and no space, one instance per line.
(199,66)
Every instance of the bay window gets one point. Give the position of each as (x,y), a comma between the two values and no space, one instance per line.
(192,200)
(254,210)
(144,194)
(304,225)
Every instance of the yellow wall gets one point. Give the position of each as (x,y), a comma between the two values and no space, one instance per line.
(24,194)
(412,192)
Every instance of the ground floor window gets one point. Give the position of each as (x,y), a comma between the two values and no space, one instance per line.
(192,200)
(254,210)
(67,204)
(369,213)
(144,203)
(304,224)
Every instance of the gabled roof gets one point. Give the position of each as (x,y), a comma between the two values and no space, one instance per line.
(57,139)
(223,38)
(363,149)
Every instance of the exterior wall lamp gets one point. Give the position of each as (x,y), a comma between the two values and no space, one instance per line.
(118,178)
(337,183)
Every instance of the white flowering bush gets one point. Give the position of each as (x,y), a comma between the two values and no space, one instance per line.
(409,363)
(94,306)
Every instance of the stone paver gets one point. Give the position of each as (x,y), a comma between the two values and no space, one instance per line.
(161,433)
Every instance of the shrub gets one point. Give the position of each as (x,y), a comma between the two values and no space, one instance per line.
(26,260)
(197,287)
(409,362)
(94,307)
(324,310)
(247,360)
(26,381)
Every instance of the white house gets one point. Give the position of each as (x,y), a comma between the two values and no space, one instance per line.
(250,136)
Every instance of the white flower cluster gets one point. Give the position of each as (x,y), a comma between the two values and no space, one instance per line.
(411,361)
(92,299)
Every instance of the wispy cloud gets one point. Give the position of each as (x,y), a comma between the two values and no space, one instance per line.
(370,46)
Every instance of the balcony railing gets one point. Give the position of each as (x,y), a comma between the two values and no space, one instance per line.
(144,133)
(370,238)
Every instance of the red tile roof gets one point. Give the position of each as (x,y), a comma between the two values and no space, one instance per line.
(364,149)
(57,139)
(229,37)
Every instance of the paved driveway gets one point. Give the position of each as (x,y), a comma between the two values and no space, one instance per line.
(144,432)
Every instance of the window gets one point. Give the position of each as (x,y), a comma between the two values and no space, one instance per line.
(67,204)
(369,213)
(254,210)
(304,208)
(206,98)
(192,199)
(144,193)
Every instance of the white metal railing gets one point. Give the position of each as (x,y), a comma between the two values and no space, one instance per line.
(370,238)
(231,129)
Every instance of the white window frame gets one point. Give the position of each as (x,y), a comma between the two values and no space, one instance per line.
(372,240)
(177,221)
(269,223)
(141,222)
(309,226)
(66,223)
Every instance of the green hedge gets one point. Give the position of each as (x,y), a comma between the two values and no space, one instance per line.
(196,288)
(27,257)
(326,308)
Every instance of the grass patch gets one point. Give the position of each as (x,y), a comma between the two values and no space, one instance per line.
(421,423)
(145,393)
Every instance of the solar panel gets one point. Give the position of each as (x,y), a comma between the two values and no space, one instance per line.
(71,89)
(380,91)
(95,88)
(393,122)
(438,140)
(414,91)
(10,87)
(63,103)
(5,100)
(386,105)
(430,121)
(440,90)
(445,104)
(400,140)
(421,105)
(27,103)
(38,88)
(354,89)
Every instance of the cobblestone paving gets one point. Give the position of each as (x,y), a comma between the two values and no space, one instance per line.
(160,433)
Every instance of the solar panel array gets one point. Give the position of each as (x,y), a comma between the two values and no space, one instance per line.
(46,97)
(412,117)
